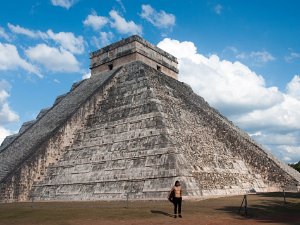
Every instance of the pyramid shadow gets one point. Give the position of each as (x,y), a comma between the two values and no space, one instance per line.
(161,212)
(267,211)
(280,194)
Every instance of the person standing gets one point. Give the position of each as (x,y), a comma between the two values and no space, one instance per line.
(177,198)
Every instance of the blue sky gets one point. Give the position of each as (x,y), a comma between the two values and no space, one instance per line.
(243,57)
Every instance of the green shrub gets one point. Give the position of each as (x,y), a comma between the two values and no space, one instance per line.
(296,166)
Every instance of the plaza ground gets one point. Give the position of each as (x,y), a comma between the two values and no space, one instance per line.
(264,208)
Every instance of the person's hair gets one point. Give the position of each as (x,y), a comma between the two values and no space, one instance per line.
(177,182)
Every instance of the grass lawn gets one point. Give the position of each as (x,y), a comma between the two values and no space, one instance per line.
(265,208)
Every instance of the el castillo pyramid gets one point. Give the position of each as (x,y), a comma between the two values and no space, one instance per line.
(132,129)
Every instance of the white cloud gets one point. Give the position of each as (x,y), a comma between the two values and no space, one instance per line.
(10,59)
(86,75)
(283,116)
(64,3)
(56,81)
(96,42)
(95,21)
(3,133)
(159,19)
(54,59)
(104,39)
(218,9)
(3,95)
(292,56)
(231,49)
(21,30)
(229,86)
(4,88)
(68,41)
(121,5)
(279,124)
(271,138)
(293,87)
(262,56)
(258,57)
(285,146)
(6,114)
(3,34)
(270,115)
(122,26)
(288,153)
(27,32)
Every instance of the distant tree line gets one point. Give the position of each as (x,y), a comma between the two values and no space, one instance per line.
(296,166)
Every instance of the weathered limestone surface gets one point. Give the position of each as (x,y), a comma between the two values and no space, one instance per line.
(223,159)
(134,132)
(9,139)
(19,156)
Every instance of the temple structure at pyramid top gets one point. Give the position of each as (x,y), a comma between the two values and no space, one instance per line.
(133,48)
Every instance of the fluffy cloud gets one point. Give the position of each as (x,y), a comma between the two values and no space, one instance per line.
(104,39)
(258,57)
(6,114)
(86,75)
(64,3)
(277,127)
(95,21)
(115,21)
(159,19)
(3,133)
(288,153)
(122,26)
(263,56)
(21,30)
(10,59)
(293,87)
(67,40)
(3,34)
(218,9)
(270,116)
(27,32)
(121,5)
(229,86)
(283,117)
(4,88)
(284,145)
(54,59)
(292,56)
(56,81)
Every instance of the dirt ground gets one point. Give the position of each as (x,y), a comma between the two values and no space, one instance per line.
(262,209)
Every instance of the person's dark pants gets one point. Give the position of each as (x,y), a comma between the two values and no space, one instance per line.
(177,204)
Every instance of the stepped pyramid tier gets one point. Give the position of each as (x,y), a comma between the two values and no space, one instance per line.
(133,131)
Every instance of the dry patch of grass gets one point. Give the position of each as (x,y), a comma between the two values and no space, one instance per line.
(263,208)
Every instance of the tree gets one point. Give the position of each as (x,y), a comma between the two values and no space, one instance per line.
(296,166)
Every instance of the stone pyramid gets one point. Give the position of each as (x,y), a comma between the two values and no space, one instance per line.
(131,130)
